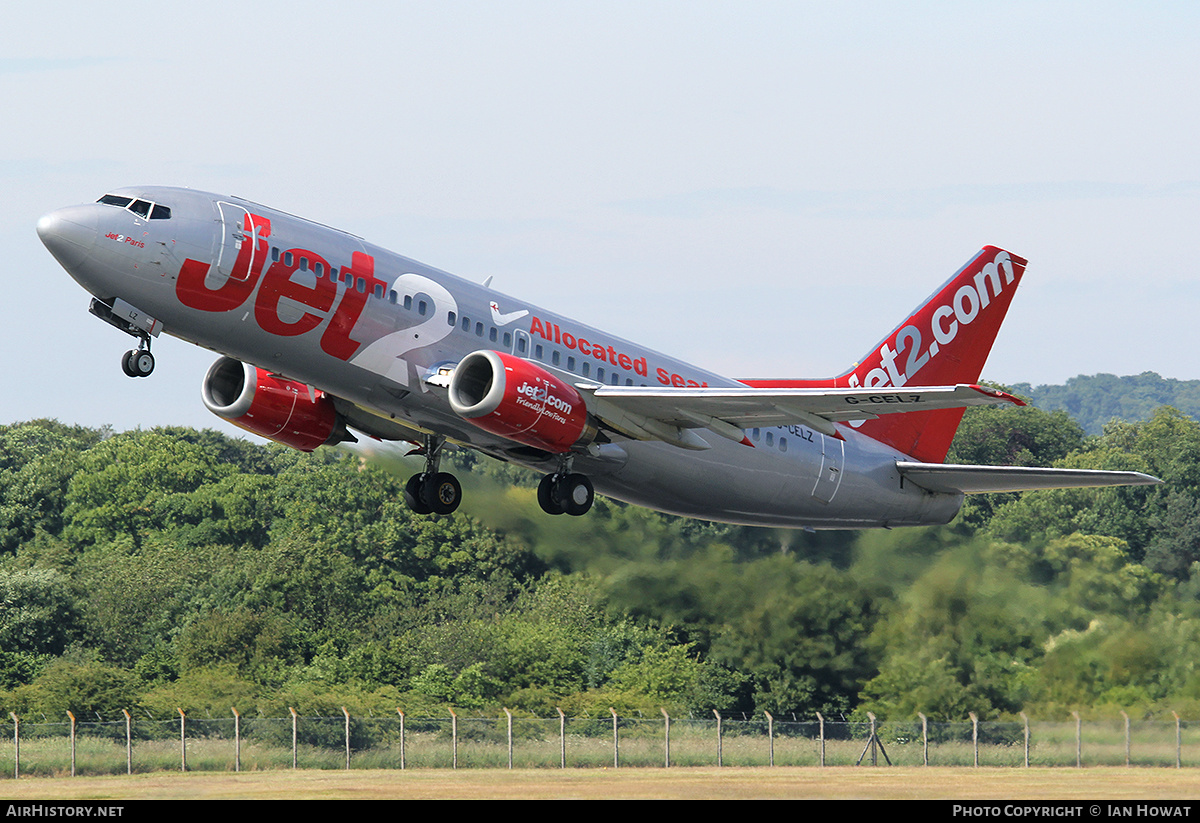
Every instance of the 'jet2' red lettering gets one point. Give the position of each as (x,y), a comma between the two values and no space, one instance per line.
(277,284)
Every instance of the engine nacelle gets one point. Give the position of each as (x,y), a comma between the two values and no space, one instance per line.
(270,406)
(517,399)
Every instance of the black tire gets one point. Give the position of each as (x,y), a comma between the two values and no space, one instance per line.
(127,363)
(575,493)
(443,493)
(142,363)
(413,497)
(546,497)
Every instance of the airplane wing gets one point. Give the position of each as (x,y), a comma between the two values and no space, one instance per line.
(941,477)
(670,413)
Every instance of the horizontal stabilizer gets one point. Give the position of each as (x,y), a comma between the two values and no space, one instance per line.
(940,477)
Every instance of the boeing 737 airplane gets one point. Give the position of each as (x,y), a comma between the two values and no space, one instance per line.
(322,334)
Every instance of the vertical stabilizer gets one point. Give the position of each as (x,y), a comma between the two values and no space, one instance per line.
(944,342)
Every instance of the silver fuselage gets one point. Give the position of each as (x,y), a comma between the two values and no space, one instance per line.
(370,327)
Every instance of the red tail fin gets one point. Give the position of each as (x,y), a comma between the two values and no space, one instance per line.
(944,342)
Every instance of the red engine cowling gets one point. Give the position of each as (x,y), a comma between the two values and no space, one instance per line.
(270,406)
(517,399)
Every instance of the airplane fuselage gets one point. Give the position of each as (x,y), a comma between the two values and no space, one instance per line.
(376,329)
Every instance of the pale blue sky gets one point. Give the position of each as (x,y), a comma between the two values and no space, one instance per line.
(762,188)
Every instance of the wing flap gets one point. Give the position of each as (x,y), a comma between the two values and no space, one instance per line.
(952,478)
(723,410)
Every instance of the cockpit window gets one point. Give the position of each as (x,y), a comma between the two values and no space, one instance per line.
(142,208)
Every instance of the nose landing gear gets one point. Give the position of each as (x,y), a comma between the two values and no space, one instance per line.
(138,362)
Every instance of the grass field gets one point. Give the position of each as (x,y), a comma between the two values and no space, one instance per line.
(903,783)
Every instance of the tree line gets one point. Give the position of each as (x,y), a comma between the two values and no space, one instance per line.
(175,568)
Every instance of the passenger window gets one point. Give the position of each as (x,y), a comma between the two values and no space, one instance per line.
(492,334)
(303,264)
(379,290)
(783,444)
(408,302)
(451,318)
(555,356)
(287,259)
(508,340)
(479,330)
(570,364)
(587,368)
(422,306)
(770,439)
(522,345)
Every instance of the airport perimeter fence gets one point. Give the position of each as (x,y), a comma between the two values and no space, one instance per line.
(237,743)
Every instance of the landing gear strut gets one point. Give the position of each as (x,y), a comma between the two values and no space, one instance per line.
(565,492)
(138,362)
(433,491)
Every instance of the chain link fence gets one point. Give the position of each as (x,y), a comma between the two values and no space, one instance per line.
(128,745)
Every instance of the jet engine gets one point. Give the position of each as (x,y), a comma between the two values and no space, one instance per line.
(272,406)
(517,399)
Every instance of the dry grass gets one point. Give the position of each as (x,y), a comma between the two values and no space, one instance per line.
(675,783)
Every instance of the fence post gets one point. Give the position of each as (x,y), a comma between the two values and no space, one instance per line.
(924,739)
(562,738)
(72,716)
(1025,718)
(128,743)
(346,715)
(401,713)
(16,744)
(1178,742)
(1078,740)
(237,739)
(616,748)
(1124,715)
(666,737)
(821,726)
(720,739)
(974,735)
(770,738)
(295,736)
(182,740)
(453,739)
(510,741)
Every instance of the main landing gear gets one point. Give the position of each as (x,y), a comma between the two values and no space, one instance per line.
(438,492)
(565,491)
(138,362)
(433,491)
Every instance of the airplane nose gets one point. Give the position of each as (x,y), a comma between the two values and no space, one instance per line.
(69,234)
